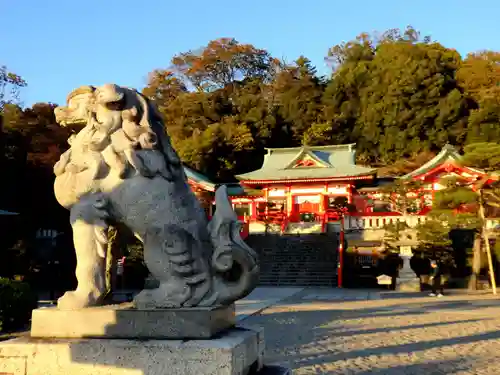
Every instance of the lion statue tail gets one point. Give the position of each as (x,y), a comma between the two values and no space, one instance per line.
(235,266)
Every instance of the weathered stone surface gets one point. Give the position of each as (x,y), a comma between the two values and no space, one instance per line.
(275,370)
(122,168)
(407,280)
(236,352)
(124,321)
(412,285)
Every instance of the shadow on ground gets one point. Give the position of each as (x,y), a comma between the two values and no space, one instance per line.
(305,338)
(445,367)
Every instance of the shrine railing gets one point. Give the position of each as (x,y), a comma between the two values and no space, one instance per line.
(379,222)
(352,222)
(277,218)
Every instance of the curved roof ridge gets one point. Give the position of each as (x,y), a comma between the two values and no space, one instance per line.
(199,178)
(348,146)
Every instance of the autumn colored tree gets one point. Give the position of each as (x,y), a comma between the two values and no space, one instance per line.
(222,126)
(163,87)
(33,143)
(398,95)
(222,62)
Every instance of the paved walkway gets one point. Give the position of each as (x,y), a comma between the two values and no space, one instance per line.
(364,332)
(262,298)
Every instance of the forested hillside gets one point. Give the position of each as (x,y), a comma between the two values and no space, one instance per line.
(398,95)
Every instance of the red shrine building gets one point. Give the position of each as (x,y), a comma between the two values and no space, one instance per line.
(302,185)
(299,189)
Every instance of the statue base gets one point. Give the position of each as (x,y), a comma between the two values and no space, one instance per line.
(408,285)
(237,351)
(407,280)
(124,321)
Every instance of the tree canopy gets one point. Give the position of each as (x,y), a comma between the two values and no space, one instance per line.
(10,83)
(398,95)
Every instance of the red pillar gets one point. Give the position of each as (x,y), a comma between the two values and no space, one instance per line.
(266,194)
(254,210)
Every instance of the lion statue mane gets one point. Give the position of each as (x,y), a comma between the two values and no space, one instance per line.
(122,169)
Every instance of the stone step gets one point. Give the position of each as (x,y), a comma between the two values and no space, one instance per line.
(305,260)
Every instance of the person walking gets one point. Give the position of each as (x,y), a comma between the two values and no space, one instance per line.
(436,279)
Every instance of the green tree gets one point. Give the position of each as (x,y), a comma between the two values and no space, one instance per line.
(434,241)
(463,205)
(297,93)
(395,95)
(479,76)
(403,195)
(10,83)
(454,207)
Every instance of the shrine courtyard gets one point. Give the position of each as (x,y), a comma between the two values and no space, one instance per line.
(328,331)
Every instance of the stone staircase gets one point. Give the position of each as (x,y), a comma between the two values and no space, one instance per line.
(296,260)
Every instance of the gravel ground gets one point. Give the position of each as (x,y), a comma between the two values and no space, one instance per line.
(322,333)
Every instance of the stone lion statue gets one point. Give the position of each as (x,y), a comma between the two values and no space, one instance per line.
(121,168)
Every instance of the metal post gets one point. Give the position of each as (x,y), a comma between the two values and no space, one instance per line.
(486,241)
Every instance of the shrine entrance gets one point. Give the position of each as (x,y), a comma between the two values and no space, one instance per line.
(306,207)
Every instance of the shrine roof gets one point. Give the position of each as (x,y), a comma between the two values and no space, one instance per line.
(7,213)
(449,154)
(308,162)
(236,190)
(199,179)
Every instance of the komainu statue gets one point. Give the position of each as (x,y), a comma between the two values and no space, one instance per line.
(122,168)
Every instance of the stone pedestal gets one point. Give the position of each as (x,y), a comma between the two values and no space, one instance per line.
(124,321)
(121,340)
(407,280)
(237,351)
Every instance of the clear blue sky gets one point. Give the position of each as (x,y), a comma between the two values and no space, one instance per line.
(58,45)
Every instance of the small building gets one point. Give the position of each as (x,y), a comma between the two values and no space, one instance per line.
(303,183)
(448,162)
